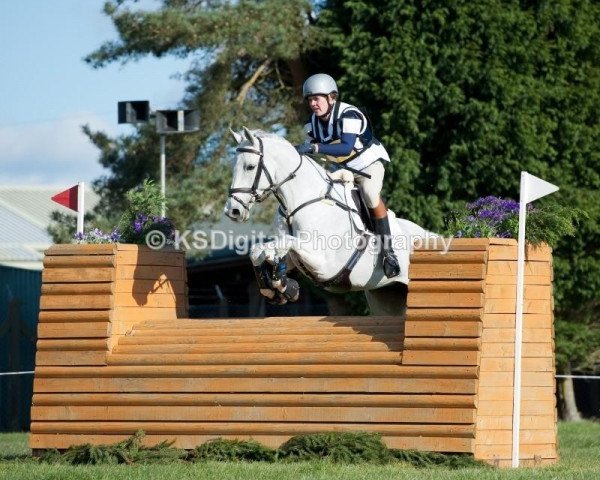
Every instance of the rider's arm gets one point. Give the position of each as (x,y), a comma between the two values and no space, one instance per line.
(342,149)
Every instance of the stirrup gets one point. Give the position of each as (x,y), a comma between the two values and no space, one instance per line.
(391,267)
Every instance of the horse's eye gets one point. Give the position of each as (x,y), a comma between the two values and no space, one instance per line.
(250,167)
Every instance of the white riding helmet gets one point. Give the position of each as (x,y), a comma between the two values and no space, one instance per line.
(319,84)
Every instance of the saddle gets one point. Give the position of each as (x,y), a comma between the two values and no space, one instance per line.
(356,200)
(362,208)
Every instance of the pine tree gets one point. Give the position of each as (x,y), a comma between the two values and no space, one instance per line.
(465,95)
(246,68)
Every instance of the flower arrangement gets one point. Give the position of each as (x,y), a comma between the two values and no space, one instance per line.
(497,217)
(97,236)
(141,217)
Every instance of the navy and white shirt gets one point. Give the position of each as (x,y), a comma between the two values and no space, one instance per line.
(353,130)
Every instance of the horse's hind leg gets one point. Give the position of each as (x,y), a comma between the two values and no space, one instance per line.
(389,300)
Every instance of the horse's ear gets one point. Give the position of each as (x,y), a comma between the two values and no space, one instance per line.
(238,137)
(250,136)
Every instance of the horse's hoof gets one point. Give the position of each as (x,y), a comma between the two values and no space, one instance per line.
(292,290)
(267,293)
(277,300)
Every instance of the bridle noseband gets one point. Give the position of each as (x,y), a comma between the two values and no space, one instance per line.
(273,187)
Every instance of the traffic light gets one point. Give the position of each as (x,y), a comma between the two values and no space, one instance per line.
(177,121)
(137,111)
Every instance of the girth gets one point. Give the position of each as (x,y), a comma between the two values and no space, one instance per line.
(342,278)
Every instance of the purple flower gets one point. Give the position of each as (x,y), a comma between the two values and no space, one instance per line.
(494,204)
(115,236)
(487,216)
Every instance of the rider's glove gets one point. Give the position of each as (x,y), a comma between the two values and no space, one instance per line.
(305,148)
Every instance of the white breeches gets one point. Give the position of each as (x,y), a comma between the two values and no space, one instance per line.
(371,187)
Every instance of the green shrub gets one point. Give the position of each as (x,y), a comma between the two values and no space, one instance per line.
(128,451)
(342,447)
(337,447)
(496,217)
(429,459)
(233,450)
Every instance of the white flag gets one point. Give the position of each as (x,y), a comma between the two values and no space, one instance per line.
(533,187)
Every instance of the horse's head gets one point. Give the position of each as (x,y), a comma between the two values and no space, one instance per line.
(256,173)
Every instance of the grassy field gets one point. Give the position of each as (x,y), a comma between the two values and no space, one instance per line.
(579,459)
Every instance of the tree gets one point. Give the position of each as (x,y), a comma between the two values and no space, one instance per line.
(246,69)
(465,95)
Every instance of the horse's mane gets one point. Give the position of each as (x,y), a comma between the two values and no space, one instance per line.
(284,141)
(270,136)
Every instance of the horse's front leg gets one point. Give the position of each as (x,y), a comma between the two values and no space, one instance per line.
(287,287)
(270,267)
(271,263)
(259,257)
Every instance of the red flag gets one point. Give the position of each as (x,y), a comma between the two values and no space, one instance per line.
(68,198)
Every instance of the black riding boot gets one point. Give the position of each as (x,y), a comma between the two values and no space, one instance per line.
(391,267)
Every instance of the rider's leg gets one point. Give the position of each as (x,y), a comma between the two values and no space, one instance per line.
(371,189)
(391,267)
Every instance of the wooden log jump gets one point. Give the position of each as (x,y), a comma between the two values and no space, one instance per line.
(116,354)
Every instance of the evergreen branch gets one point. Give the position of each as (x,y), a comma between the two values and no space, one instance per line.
(250,82)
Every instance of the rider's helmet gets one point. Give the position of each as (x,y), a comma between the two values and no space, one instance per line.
(319,84)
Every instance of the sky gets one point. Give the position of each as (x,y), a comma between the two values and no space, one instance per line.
(47,91)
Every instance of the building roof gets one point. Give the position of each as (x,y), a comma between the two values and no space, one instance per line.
(24,216)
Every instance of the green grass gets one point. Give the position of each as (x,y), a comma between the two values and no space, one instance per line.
(579,459)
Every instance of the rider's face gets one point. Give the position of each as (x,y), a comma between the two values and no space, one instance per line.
(319,104)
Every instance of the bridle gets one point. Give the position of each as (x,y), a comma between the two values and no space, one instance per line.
(273,187)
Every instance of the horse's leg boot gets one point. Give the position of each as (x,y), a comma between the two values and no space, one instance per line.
(391,267)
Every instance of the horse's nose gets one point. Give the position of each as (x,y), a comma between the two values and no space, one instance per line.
(232,212)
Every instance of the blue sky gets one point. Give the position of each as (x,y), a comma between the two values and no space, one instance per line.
(47,92)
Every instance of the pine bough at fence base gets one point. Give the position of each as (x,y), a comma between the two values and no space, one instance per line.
(345,447)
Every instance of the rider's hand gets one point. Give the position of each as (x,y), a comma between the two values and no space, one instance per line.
(305,148)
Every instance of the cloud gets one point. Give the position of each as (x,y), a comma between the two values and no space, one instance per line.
(51,152)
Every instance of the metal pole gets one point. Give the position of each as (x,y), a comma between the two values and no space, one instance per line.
(80,206)
(163,162)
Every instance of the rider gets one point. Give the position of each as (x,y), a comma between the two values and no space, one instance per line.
(344,134)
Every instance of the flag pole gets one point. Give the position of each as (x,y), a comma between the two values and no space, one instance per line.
(163,168)
(532,188)
(516,425)
(80,206)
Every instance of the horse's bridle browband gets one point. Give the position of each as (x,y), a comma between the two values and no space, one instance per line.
(253,190)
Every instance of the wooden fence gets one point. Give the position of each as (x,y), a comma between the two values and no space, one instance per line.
(116,354)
